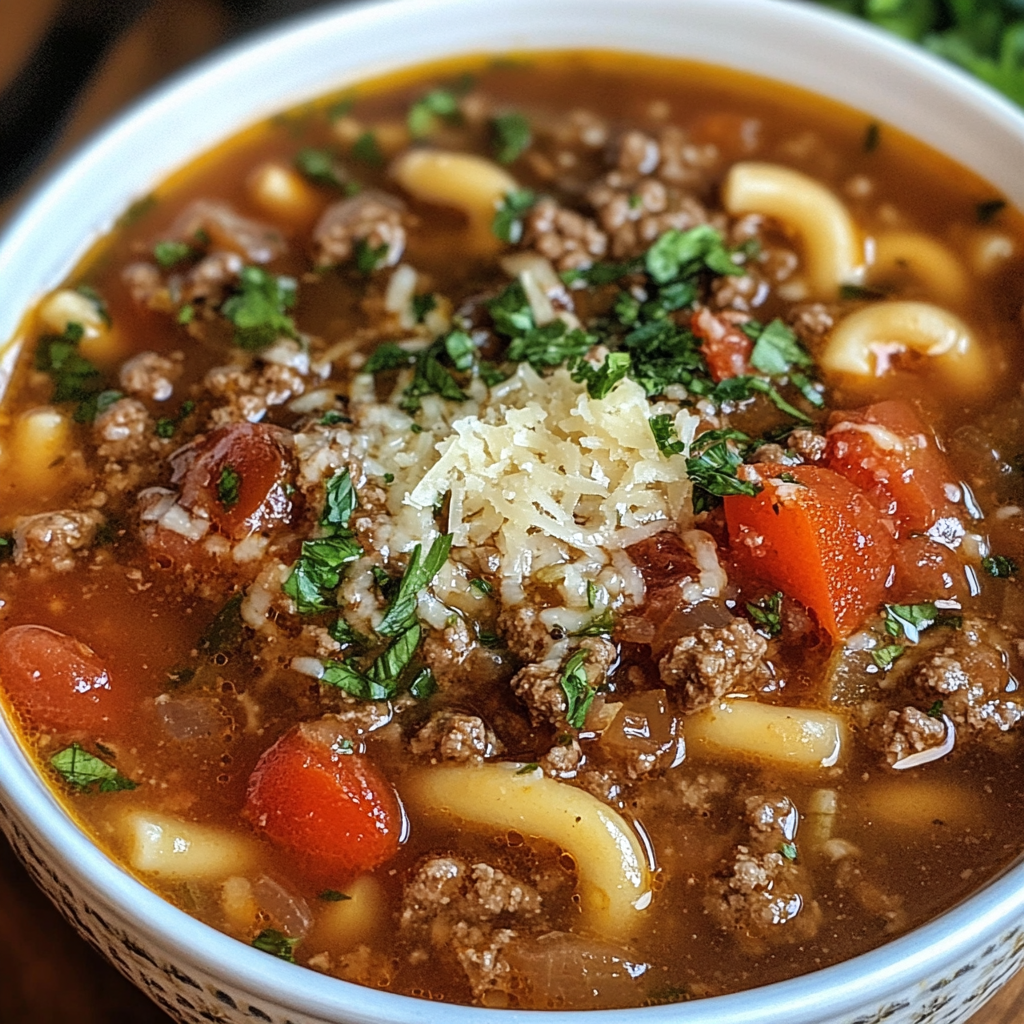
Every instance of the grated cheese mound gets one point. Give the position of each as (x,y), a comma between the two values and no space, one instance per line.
(540,473)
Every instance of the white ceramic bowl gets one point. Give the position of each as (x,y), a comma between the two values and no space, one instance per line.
(940,973)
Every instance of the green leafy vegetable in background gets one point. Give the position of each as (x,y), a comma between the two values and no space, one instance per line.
(985,37)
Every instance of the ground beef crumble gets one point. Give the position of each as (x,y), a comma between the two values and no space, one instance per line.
(711,663)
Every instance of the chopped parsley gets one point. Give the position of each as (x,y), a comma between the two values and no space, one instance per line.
(601,379)
(999,566)
(430,377)
(82,770)
(579,694)
(92,407)
(417,575)
(370,257)
(341,108)
(482,586)
(591,593)
(166,425)
(684,254)
(713,465)
(228,484)
(388,356)
(365,148)
(508,219)
(766,613)
(423,305)
(332,896)
(319,166)
(512,137)
(788,850)
(318,571)
(664,431)
(599,625)
(989,209)
(75,379)
(935,711)
(382,678)
(170,253)
(911,620)
(872,137)
(424,685)
(259,309)
(461,349)
(885,657)
(186,314)
(424,113)
(778,353)
(527,769)
(270,940)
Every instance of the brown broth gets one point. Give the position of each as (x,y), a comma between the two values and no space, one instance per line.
(147,624)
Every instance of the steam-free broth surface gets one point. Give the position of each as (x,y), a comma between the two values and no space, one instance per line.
(442,478)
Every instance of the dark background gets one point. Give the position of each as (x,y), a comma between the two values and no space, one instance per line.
(118,48)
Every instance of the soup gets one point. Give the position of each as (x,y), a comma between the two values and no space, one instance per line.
(534,532)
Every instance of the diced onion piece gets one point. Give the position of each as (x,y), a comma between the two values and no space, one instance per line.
(794,737)
(166,846)
(614,878)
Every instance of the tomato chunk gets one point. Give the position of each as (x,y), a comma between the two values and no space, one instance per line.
(56,682)
(240,477)
(815,536)
(724,346)
(889,453)
(333,810)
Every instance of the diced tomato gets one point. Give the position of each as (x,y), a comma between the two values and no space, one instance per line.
(725,347)
(333,810)
(240,476)
(818,539)
(888,452)
(56,682)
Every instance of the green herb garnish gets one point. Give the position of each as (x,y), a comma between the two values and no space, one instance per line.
(81,769)
(366,149)
(999,566)
(424,113)
(579,694)
(332,896)
(766,613)
(511,137)
(508,219)
(270,940)
(259,309)
(885,657)
(318,571)
(228,484)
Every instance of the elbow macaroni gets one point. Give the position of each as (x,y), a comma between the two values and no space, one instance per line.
(614,878)
(926,259)
(833,254)
(469,183)
(787,737)
(862,344)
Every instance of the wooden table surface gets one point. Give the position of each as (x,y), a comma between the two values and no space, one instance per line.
(48,975)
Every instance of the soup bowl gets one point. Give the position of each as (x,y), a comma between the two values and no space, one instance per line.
(941,972)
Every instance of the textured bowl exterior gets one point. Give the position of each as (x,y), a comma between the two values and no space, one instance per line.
(940,973)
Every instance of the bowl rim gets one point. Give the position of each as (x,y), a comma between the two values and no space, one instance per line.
(886,971)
